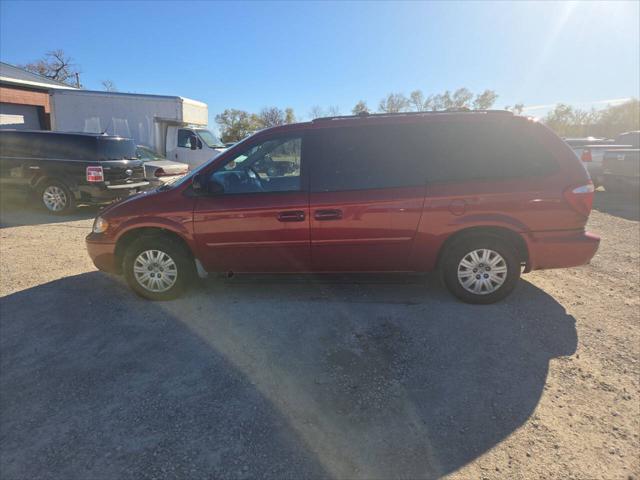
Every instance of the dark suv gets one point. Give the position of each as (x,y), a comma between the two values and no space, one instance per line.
(65,169)
(481,196)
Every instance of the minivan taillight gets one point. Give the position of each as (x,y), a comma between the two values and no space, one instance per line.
(95,174)
(586,155)
(580,198)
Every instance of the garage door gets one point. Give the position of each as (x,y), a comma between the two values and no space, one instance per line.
(22,117)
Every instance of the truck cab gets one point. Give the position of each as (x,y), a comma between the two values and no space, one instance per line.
(192,145)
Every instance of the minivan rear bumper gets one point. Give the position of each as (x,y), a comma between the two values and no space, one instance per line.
(560,249)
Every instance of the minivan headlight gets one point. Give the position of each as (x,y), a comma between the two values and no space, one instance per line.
(100,225)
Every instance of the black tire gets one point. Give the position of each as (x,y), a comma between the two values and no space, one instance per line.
(56,187)
(177,252)
(461,249)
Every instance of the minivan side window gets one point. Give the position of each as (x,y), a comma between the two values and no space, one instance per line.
(405,155)
(273,165)
(466,151)
(357,158)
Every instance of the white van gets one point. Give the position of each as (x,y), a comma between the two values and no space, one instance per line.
(171,126)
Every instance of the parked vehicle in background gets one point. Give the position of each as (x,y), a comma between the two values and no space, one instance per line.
(629,138)
(621,170)
(64,169)
(175,127)
(591,150)
(157,169)
(478,195)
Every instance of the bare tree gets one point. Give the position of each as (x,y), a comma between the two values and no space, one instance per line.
(393,103)
(55,65)
(271,117)
(334,110)
(416,101)
(109,86)
(317,112)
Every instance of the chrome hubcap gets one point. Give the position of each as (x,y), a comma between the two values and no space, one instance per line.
(155,271)
(482,271)
(54,198)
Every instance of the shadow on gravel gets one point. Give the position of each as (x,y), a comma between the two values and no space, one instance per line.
(274,377)
(18,211)
(625,205)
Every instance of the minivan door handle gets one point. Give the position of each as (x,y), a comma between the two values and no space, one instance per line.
(330,214)
(291,216)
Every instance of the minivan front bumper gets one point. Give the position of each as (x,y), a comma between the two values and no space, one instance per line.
(560,249)
(102,253)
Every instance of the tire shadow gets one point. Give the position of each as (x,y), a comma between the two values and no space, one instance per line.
(17,211)
(271,376)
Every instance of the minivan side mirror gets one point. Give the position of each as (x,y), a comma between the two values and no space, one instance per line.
(202,186)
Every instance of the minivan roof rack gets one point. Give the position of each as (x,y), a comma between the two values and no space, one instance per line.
(408,114)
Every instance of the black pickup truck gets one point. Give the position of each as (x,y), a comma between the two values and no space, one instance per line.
(67,169)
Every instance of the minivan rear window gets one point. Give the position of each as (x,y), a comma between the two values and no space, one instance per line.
(402,155)
(486,151)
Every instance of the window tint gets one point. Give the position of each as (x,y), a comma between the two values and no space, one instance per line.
(269,166)
(65,146)
(485,151)
(368,157)
(387,156)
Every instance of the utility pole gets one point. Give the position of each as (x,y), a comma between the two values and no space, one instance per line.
(77,80)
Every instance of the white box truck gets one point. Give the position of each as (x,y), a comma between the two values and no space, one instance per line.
(172,126)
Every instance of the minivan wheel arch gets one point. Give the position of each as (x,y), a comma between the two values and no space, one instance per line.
(511,236)
(132,235)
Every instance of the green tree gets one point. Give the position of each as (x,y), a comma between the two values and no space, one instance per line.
(393,103)
(485,100)
(620,118)
(237,124)
(462,98)
(360,107)
(289,115)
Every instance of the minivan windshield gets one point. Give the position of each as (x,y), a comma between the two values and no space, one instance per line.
(210,139)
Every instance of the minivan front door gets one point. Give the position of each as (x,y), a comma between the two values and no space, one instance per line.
(260,223)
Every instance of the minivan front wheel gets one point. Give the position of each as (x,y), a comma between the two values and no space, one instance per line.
(481,269)
(157,268)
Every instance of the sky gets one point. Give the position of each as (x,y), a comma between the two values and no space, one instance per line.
(250,55)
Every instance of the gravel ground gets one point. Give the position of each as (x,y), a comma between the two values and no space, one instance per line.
(295,377)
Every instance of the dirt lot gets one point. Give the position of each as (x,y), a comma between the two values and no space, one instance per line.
(294,377)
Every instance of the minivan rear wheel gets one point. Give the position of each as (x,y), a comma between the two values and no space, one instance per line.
(481,269)
(56,197)
(158,268)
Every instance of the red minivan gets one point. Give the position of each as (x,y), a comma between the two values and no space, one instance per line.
(480,195)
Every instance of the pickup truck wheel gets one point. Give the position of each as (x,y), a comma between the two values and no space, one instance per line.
(158,268)
(56,198)
(481,269)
